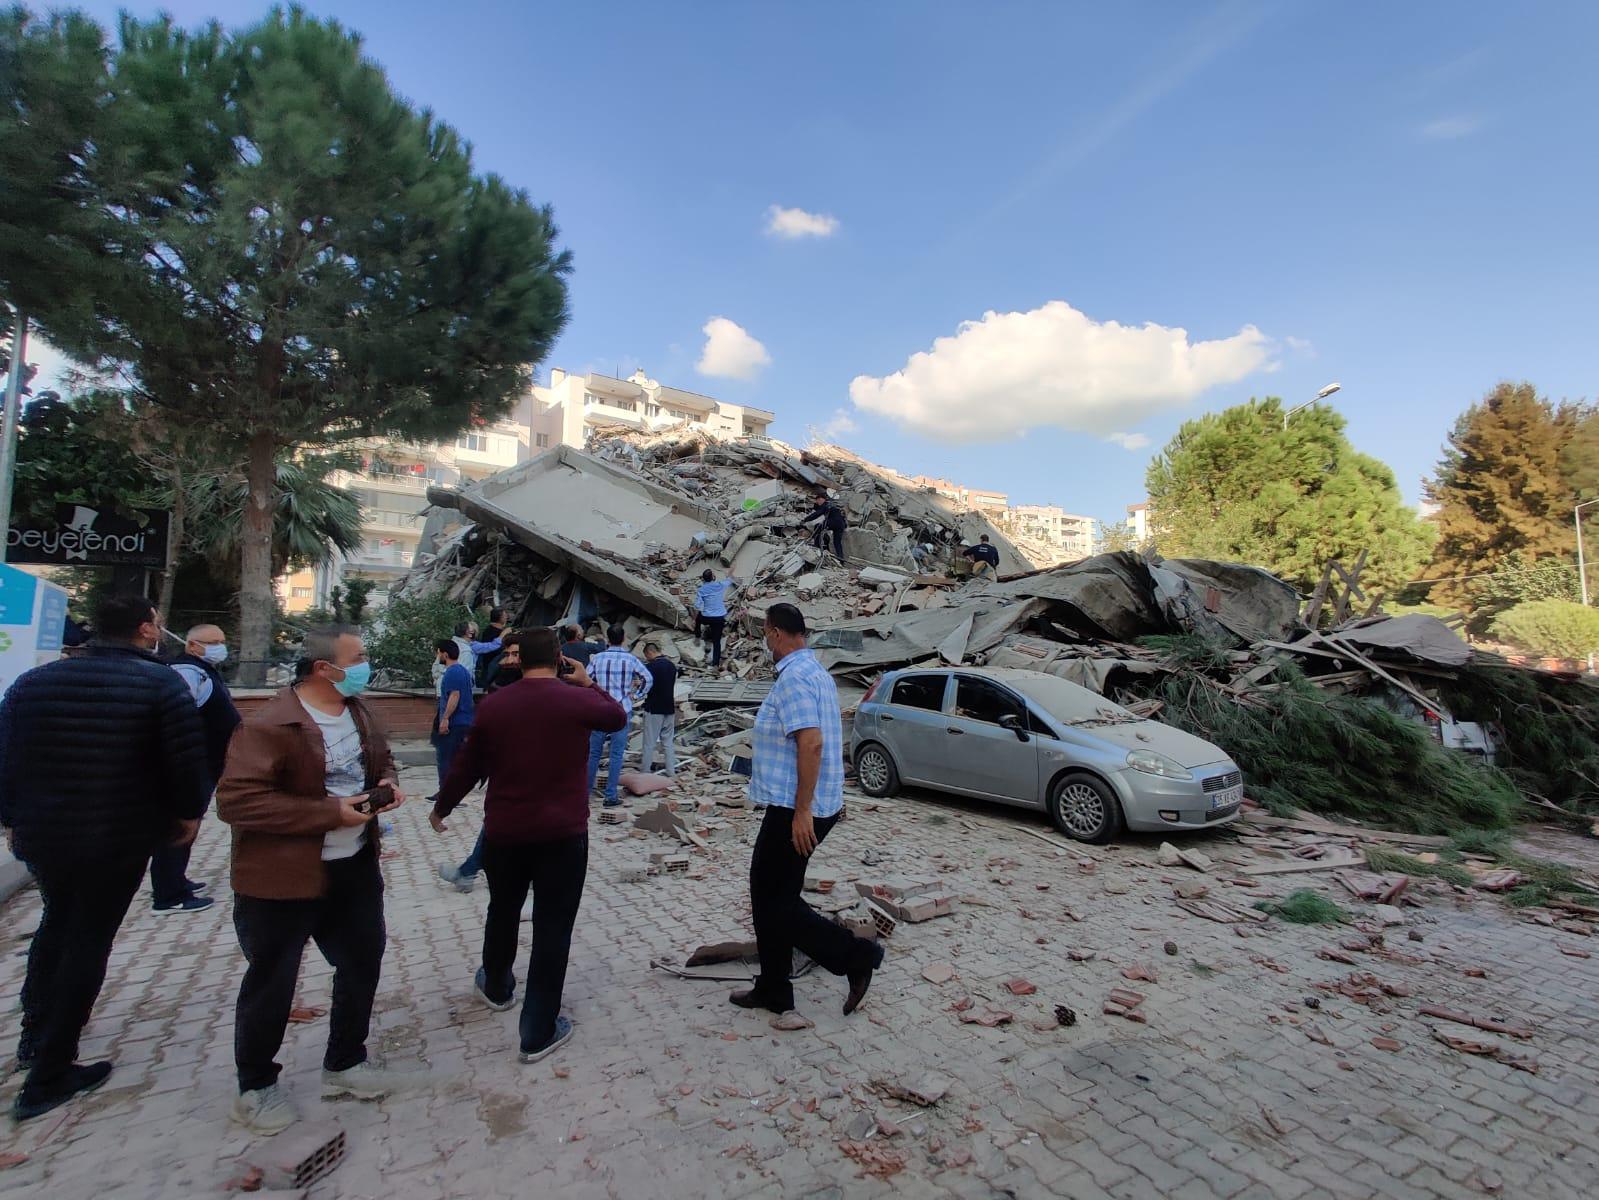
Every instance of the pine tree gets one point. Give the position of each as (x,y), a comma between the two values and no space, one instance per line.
(1237,485)
(274,247)
(1500,487)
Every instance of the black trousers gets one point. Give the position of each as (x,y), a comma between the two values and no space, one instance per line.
(556,872)
(713,629)
(84,903)
(169,874)
(823,532)
(346,923)
(783,921)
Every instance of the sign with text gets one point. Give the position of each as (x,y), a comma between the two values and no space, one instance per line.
(91,537)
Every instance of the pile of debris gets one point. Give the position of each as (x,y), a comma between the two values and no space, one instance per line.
(1328,705)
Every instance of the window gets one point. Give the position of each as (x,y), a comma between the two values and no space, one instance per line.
(541,440)
(301,593)
(981,700)
(473,441)
(920,691)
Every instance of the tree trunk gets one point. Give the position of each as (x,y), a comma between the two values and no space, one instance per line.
(169,577)
(255,568)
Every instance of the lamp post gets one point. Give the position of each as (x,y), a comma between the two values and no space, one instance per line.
(9,420)
(1321,395)
(1582,572)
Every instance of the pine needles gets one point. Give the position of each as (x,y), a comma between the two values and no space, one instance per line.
(1302,748)
(1305,907)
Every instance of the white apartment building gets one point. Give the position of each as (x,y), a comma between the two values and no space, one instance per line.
(1067,534)
(993,504)
(1138,522)
(391,488)
(572,407)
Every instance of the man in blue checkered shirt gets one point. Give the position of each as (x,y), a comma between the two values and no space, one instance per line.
(797,776)
(626,680)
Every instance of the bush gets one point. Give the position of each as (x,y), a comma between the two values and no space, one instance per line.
(1518,581)
(1551,628)
(401,647)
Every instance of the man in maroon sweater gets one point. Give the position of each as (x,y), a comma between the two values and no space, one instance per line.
(531,742)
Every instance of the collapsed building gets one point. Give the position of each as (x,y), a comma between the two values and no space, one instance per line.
(620,533)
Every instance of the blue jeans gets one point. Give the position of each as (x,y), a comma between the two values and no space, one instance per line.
(474,860)
(445,745)
(597,741)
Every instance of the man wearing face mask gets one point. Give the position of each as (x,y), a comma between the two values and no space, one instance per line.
(305,780)
(205,650)
(101,762)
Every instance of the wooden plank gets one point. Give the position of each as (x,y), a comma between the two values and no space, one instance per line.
(1318,597)
(1427,704)
(1330,863)
(1336,829)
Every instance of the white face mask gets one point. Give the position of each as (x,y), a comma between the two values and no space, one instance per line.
(216,655)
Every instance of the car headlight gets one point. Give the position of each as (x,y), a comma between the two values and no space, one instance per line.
(1151,763)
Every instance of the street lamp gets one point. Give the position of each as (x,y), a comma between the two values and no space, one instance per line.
(1321,395)
(1582,572)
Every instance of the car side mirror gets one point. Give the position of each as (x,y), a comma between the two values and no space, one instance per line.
(1013,723)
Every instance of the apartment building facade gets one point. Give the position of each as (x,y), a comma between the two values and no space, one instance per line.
(993,504)
(573,407)
(1067,534)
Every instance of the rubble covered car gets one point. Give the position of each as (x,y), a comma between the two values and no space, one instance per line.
(1035,740)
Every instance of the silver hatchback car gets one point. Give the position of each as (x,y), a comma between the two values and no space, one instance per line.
(1026,738)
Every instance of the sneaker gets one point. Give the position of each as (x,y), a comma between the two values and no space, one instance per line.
(265,1111)
(362,1082)
(196,888)
(453,876)
(563,1034)
(187,905)
(34,1100)
(480,986)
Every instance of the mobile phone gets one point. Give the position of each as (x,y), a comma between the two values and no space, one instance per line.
(377,800)
(565,668)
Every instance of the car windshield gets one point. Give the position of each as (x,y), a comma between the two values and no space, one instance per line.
(1069,703)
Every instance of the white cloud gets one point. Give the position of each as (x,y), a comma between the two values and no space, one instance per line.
(797,223)
(730,352)
(840,424)
(1054,366)
(1448,129)
(1128,441)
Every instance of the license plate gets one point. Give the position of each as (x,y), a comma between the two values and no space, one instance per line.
(1227,798)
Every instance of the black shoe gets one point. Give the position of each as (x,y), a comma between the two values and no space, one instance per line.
(35,1101)
(195,888)
(859,981)
(188,904)
(755,998)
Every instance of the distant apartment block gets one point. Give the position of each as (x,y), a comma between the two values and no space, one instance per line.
(1138,522)
(1067,534)
(977,499)
(573,407)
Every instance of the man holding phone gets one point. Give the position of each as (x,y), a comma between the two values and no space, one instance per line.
(304,781)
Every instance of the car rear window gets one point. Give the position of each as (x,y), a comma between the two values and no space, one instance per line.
(919,691)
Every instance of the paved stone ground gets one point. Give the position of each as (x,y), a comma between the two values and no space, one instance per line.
(667,1091)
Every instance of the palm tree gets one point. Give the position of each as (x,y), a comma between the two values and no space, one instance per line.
(314,518)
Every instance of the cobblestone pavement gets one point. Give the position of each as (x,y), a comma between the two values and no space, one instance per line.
(1234,1087)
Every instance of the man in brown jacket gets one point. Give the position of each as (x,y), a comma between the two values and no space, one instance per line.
(297,790)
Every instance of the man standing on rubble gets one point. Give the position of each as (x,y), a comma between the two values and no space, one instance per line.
(574,647)
(626,680)
(535,827)
(660,710)
(830,521)
(983,557)
(798,778)
(710,610)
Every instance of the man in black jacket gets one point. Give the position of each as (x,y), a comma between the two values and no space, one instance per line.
(102,761)
(204,651)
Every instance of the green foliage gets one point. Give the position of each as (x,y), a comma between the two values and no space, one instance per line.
(1305,907)
(1516,580)
(313,517)
(1508,480)
(1389,862)
(1236,485)
(1547,730)
(1551,628)
(357,592)
(267,240)
(1302,748)
(401,645)
(67,453)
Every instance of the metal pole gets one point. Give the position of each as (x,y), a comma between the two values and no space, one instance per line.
(8,433)
(1582,570)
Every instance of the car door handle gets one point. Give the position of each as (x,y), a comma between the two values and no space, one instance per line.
(956,732)
(886,717)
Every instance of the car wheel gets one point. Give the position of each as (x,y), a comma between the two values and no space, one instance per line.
(1084,808)
(876,771)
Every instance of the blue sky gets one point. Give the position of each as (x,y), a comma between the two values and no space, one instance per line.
(1396,197)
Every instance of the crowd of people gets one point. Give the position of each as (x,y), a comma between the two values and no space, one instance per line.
(110,759)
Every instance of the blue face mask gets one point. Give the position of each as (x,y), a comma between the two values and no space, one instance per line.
(216,655)
(356,677)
